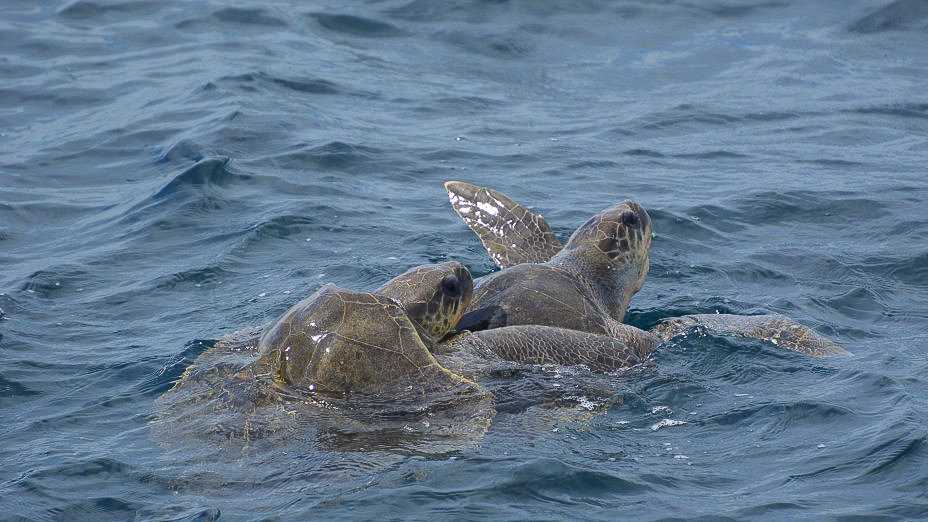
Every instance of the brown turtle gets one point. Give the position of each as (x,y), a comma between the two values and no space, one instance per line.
(586,284)
(357,362)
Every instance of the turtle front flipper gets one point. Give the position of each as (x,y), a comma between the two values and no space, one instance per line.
(535,344)
(511,233)
(773,328)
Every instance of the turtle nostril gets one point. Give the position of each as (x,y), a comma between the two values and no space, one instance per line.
(451,286)
(629,218)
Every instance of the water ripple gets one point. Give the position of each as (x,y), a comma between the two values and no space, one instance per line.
(202,178)
(170,175)
(895,16)
(356,25)
(255,19)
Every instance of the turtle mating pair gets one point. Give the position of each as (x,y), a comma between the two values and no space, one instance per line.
(429,332)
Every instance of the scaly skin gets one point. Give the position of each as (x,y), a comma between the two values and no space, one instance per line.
(367,348)
(774,328)
(511,233)
(328,358)
(587,284)
(582,285)
(532,344)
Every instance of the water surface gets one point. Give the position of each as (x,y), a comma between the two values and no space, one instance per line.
(172,171)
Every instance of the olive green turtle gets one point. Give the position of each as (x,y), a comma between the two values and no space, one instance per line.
(587,283)
(350,363)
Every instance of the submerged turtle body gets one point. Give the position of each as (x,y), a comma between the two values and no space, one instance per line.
(357,362)
(587,284)
(333,361)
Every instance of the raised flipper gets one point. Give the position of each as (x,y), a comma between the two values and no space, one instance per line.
(511,233)
(534,344)
(774,328)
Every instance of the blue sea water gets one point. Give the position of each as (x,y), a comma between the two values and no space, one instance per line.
(173,171)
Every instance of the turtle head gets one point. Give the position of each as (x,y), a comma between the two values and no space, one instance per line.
(613,248)
(340,341)
(434,296)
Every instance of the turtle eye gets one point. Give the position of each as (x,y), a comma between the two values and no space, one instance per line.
(451,286)
(629,218)
(612,247)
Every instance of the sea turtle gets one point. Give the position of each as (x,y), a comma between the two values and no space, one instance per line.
(587,284)
(360,362)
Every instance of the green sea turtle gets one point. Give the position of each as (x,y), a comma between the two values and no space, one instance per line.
(587,283)
(349,362)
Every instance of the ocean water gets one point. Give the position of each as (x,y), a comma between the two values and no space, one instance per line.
(173,171)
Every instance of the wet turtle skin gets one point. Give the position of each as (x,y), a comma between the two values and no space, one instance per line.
(586,284)
(366,361)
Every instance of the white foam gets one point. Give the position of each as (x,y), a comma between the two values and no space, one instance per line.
(667,423)
(586,403)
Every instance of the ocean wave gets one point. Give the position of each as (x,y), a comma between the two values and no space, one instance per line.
(195,277)
(902,109)
(254,19)
(11,390)
(84,9)
(773,418)
(201,177)
(552,480)
(333,155)
(895,16)
(171,174)
(857,303)
(57,281)
(356,25)
(490,45)
(804,206)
